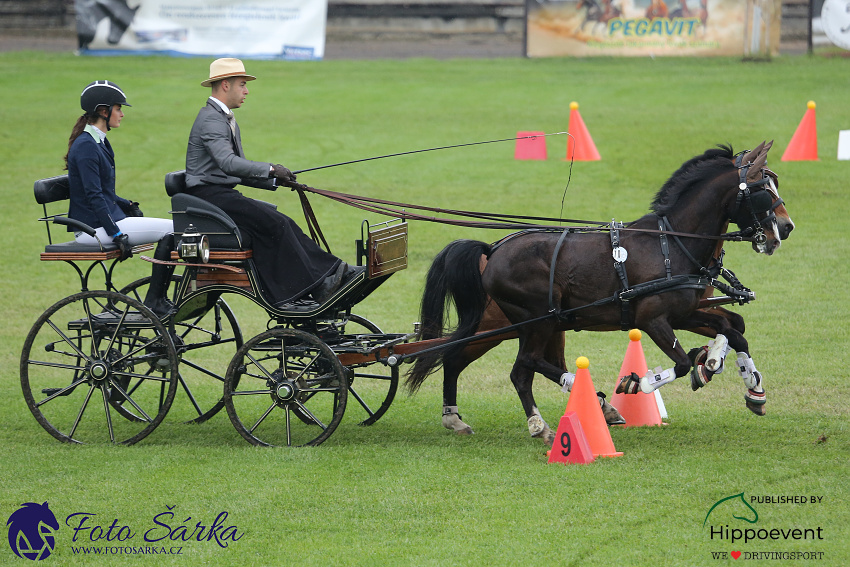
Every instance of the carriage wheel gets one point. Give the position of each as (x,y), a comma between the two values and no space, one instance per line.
(285,387)
(99,367)
(373,386)
(206,339)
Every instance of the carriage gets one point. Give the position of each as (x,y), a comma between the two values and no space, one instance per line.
(99,365)
(290,384)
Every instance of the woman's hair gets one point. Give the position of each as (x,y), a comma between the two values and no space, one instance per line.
(78,128)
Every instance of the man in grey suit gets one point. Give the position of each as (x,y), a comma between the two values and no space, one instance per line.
(289,263)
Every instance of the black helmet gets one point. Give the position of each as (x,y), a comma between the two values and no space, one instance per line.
(102,93)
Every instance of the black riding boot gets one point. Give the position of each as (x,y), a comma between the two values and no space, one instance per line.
(157,296)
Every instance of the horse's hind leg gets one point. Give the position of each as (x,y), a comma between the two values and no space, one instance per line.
(452,368)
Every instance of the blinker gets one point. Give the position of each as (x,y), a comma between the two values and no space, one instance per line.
(760,201)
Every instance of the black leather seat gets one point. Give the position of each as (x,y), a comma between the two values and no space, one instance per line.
(54,190)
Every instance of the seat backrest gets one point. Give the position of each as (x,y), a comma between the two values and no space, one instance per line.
(52,189)
(175,182)
(220,229)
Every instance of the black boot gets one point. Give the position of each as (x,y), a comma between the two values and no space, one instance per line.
(157,296)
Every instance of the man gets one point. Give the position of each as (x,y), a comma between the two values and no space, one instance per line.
(289,263)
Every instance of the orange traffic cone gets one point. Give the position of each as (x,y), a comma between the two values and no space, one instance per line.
(585,403)
(637,409)
(530,145)
(571,444)
(804,143)
(580,146)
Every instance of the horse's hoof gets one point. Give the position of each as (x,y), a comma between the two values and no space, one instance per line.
(611,414)
(628,384)
(455,423)
(700,375)
(755,402)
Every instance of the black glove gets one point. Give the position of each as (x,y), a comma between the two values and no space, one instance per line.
(280,172)
(132,210)
(123,243)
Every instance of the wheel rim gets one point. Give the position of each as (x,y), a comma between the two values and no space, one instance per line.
(206,340)
(373,387)
(285,387)
(98,367)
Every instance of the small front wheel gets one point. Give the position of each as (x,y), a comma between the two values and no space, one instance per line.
(285,387)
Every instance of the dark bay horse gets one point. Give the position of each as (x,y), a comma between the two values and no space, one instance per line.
(492,286)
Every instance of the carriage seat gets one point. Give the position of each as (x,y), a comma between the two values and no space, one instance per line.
(55,190)
(222,232)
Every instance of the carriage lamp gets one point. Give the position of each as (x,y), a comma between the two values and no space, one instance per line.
(194,246)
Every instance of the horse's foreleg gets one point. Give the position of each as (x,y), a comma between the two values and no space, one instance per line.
(755,395)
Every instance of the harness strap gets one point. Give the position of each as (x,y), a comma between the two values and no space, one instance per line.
(552,265)
(620,267)
(665,249)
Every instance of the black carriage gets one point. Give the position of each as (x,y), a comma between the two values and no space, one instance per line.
(99,365)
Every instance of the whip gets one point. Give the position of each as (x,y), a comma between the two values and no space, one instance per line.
(427,150)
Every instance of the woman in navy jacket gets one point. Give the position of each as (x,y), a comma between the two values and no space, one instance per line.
(91,178)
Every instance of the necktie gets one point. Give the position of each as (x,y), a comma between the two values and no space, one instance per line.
(231,121)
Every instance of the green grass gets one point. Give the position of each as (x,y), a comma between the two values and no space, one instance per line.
(405,491)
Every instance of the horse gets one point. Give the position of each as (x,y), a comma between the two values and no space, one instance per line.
(509,282)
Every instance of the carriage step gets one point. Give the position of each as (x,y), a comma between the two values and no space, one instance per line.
(132,320)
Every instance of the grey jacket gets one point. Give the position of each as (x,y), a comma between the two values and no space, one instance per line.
(215,157)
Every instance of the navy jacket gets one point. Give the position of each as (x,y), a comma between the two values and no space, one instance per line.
(91,178)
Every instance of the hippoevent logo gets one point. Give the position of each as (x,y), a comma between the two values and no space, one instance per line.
(732,520)
(31,529)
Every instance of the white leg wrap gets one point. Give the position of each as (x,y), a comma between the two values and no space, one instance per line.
(536,425)
(717,351)
(751,376)
(654,379)
(566,380)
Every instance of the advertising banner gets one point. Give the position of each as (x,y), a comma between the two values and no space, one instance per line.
(248,29)
(652,27)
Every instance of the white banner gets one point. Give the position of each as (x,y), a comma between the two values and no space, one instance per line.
(249,29)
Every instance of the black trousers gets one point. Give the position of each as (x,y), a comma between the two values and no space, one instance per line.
(289,263)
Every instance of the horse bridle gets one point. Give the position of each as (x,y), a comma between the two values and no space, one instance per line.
(752,202)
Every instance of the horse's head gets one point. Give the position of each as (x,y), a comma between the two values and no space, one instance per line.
(758,208)
(31,530)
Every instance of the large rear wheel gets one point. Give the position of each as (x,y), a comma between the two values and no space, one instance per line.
(99,367)
(373,385)
(206,336)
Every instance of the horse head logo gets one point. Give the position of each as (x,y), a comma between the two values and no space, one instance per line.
(734,499)
(31,529)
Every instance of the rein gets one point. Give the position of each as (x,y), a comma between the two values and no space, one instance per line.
(485,220)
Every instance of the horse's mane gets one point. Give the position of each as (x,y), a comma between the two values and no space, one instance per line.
(712,162)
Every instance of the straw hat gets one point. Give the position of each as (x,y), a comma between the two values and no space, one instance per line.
(226,68)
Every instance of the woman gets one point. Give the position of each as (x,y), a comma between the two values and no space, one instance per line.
(90,162)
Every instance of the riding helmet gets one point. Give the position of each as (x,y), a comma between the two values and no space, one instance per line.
(102,93)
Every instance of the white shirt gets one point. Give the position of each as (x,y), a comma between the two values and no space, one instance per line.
(222,105)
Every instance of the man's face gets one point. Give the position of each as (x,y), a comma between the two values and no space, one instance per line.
(237,90)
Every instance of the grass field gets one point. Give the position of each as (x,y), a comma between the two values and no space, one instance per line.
(405,491)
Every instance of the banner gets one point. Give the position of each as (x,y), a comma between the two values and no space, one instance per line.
(249,29)
(652,27)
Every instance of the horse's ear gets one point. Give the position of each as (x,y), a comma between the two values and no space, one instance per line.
(755,171)
(767,146)
(752,154)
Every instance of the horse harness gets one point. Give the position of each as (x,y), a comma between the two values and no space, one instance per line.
(748,206)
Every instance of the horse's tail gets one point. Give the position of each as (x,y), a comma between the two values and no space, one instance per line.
(455,276)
